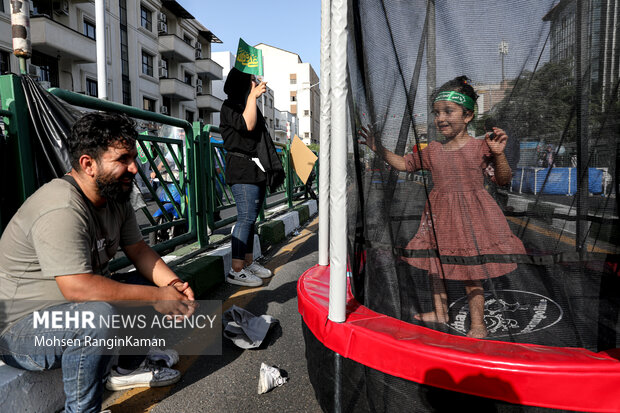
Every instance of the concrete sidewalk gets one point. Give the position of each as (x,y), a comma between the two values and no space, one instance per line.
(204,269)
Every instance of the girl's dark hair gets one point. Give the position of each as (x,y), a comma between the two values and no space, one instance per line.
(460,84)
(237,85)
(95,132)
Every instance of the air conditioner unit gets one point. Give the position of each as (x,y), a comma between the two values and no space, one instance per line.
(162,26)
(199,89)
(163,72)
(198,54)
(35,71)
(164,110)
(61,7)
(199,82)
(162,63)
(162,17)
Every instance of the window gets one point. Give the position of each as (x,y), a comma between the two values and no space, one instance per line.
(146,18)
(187,39)
(126,83)
(187,78)
(306,113)
(49,67)
(306,134)
(91,87)
(189,116)
(148,104)
(293,78)
(5,63)
(293,96)
(147,63)
(89,29)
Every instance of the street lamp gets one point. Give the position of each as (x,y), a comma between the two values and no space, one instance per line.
(503,51)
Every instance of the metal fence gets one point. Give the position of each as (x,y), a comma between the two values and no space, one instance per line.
(181,170)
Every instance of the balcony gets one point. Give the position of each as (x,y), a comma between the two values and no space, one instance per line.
(209,68)
(177,90)
(174,47)
(55,39)
(209,103)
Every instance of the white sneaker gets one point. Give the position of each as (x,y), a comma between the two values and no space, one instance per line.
(258,270)
(146,375)
(270,377)
(244,278)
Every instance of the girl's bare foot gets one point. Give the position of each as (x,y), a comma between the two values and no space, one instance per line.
(477,331)
(432,317)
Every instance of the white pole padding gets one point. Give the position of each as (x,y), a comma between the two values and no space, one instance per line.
(338,164)
(20,27)
(325,133)
(102,67)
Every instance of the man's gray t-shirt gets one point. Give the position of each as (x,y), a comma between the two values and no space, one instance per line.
(52,234)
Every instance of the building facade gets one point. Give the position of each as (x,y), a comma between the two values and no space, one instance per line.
(603,52)
(158,55)
(296,89)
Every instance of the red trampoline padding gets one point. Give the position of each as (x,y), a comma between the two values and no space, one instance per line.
(552,377)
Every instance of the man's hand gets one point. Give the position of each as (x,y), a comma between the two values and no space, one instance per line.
(174,302)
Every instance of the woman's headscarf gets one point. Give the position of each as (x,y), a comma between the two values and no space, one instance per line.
(237,86)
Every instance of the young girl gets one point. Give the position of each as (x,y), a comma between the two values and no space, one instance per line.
(460,218)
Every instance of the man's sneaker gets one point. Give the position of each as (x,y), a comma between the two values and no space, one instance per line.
(147,375)
(270,377)
(244,278)
(258,270)
(165,358)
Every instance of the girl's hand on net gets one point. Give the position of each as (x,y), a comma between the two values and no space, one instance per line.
(496,140)
(368,138)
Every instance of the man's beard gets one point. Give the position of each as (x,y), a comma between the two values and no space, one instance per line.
(112,189)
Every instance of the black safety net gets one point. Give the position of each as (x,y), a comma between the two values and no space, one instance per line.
(484,200)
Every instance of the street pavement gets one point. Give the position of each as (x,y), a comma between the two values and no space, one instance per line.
(228,382)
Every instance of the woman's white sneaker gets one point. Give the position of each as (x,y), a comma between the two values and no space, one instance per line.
(243,277)
(258,270)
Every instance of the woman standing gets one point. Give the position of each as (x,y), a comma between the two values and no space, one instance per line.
(242,126)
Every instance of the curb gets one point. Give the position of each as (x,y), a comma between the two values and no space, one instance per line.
(30,391)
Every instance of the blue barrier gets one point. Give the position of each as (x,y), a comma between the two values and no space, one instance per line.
(560,181)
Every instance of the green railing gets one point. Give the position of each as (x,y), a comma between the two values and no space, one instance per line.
(192,165)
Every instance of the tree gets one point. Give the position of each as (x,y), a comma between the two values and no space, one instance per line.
(539,105)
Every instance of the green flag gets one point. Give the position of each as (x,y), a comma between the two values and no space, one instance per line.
(249,59)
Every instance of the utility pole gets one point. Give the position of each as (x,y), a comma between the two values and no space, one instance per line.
(503,51)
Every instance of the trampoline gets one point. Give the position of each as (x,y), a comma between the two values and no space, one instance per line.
(442,284)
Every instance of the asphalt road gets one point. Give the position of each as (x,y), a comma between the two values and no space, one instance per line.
(228,382)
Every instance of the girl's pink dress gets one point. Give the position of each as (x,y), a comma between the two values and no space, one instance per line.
(466,219)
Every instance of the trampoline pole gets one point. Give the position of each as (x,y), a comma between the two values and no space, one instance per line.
(582,86)
(431,69)
(325,91)
(338,164)
(102,67)
(337,383)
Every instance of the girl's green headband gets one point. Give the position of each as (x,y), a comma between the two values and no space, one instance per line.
(458,98)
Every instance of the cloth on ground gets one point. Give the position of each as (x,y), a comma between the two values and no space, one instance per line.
(245,329)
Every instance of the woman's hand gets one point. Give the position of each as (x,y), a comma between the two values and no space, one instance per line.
(497,143)
(258,89)
(368,138)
